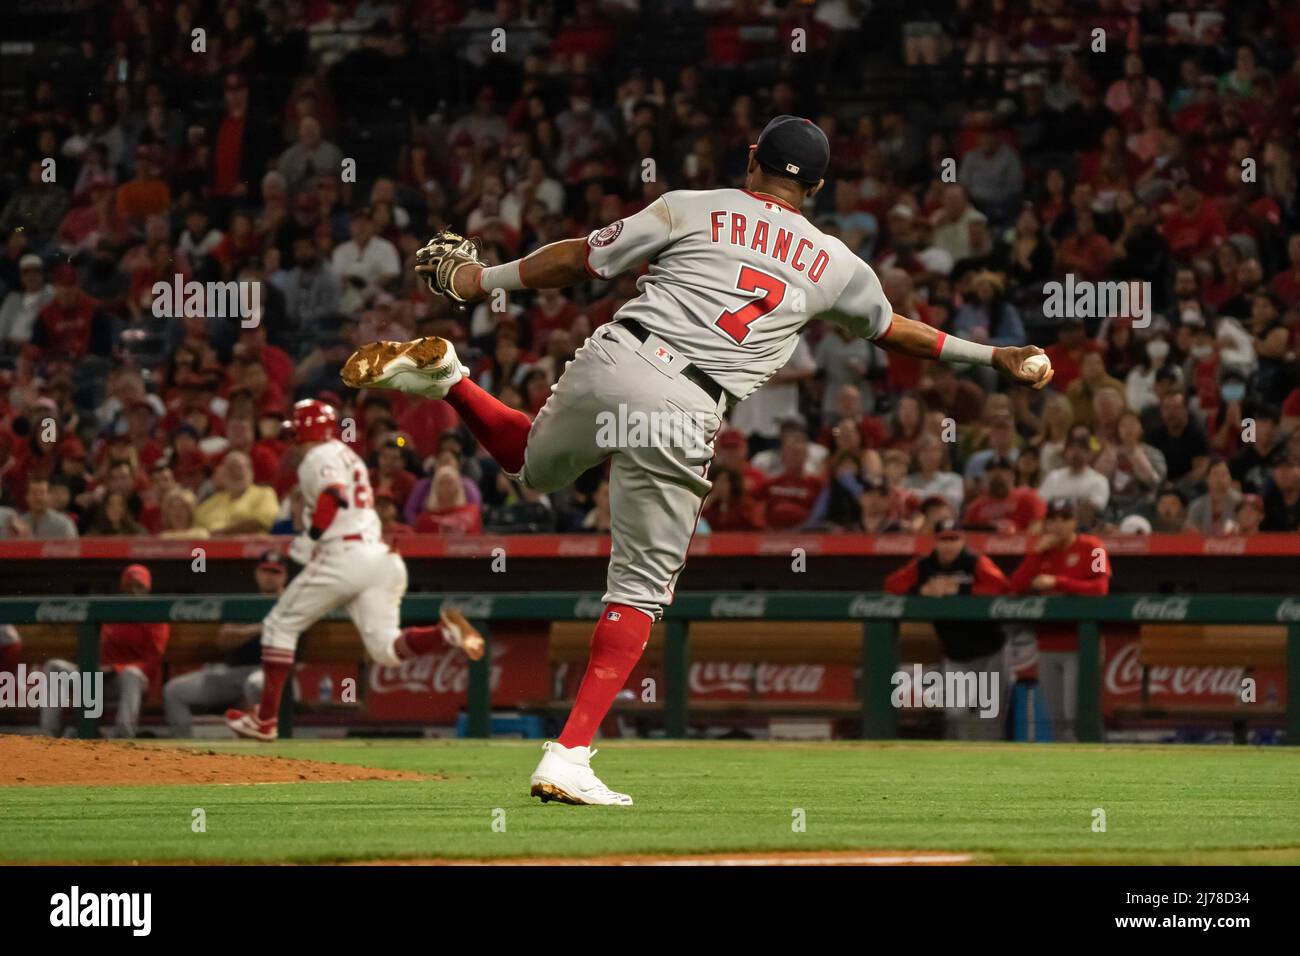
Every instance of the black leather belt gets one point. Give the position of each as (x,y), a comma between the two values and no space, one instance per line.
(690,372)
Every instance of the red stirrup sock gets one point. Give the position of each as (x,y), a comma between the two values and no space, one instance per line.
(274,674)
(500,429)
(616,646)
(418,640)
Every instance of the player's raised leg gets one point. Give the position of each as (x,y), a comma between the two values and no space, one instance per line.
(655,497)
(429,367)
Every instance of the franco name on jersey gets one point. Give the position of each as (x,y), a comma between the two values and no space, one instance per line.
(781,246)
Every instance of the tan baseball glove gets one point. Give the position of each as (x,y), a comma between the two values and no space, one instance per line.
(438,261)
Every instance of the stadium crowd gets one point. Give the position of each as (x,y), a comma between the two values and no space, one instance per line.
(313,146)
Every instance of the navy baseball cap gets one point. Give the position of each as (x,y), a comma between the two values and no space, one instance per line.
(794,146)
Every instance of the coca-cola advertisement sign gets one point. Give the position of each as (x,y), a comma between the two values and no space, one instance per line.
(726,678)
(434,687)
(1210,685)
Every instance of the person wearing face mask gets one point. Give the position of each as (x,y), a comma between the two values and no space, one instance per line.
(1140,385)
(1224,418)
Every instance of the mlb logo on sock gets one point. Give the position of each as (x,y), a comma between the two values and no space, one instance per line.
(613,616)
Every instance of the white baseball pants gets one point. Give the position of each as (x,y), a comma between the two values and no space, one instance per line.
(368,579)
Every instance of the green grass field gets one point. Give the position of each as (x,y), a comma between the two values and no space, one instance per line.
(1002,803)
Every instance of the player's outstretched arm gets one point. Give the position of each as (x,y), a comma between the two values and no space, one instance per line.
(909,337)
(556,266)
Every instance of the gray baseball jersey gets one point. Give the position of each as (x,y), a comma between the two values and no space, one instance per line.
(734,276)
(733,279)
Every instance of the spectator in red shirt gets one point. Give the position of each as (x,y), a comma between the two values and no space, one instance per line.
(446,511)
(1062,561)
(1193,228)
(391,525)
(130,657)
(391,475)
(253,347)
(788,498)
(1084,252)
(1286,284)
(1002,507)
(241,436)
(1067,352)
(71,326)
(730,505)
(730,456)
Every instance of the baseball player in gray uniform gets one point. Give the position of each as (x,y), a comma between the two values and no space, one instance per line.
(734,276)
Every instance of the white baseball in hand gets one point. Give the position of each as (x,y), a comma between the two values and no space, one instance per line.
(1036,365)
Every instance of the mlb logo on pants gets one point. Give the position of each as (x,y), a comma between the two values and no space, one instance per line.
(613,616)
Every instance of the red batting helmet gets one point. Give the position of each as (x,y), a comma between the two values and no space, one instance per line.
(313,421)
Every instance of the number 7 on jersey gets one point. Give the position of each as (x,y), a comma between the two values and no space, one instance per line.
(736,324)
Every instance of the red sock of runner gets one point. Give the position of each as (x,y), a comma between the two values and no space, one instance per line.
(616,646)
(274,674)
(502,430)
(418,640)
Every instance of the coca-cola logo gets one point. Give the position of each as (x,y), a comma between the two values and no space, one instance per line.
(582,546)
(61,549)
(895,544)
(1225,545)
(208,609)
(473,606)
(884,605)
(739,605)
(144,550)
(744,677)
(1160,609)
(588,607)
(1030,608)
(469,547)
(1288,610)
(442,672)
(1124,676)
(62,612)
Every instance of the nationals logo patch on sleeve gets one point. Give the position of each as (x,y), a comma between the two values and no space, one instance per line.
(607,235)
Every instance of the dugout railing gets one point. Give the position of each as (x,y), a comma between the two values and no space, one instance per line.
(879,614)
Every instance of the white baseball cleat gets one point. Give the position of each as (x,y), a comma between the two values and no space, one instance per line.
(426,367)
(565,774)
(247,724)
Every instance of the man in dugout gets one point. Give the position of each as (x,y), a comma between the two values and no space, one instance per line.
(977,647)
(1061,561)
(237,680)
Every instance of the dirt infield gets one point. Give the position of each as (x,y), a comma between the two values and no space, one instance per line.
(44,762)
